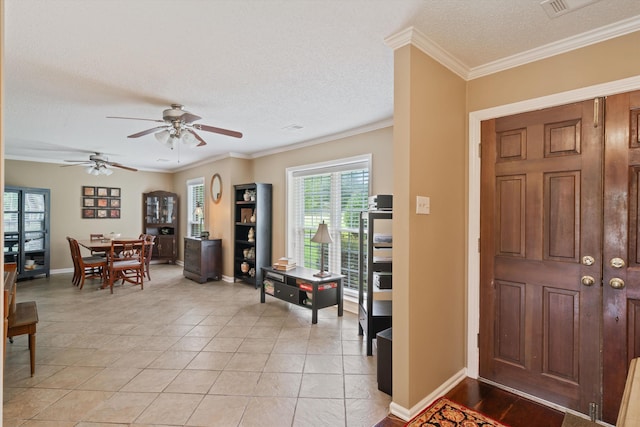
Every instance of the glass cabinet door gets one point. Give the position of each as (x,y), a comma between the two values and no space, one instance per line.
(11,221)
(161,210)
(34,221)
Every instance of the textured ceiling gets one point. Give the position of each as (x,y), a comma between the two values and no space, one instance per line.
(258,67)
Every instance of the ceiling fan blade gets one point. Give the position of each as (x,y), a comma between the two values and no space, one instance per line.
(77,163)
(118,165)
(146,132)
(202,141)
(189,118)
(135,118)
(221,131)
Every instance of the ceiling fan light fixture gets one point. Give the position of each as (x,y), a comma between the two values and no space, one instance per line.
(89,169)
(104,170)
(165,138)
(188,139)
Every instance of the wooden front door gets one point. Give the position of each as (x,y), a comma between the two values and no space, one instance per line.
(541,216)
(560,257)
(621,253)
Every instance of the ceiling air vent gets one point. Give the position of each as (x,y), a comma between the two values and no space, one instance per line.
(555,8)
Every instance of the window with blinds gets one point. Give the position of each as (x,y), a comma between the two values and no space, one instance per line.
(195,198)
(335,193)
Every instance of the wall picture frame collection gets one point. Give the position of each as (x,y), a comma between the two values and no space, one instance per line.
(100,202)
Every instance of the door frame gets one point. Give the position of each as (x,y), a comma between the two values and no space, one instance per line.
(473,212)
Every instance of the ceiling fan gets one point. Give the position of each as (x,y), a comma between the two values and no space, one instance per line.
(178,126)
(99,164)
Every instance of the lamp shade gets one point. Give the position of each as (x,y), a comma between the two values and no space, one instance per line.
(188,139)
(322,235)
(198,210)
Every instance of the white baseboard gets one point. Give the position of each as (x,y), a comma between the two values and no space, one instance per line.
(407,414)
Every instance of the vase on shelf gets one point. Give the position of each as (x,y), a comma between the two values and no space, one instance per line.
(246,196)
(251,236)
(253,217)
(244,267)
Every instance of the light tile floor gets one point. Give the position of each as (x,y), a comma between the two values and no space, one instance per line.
(187,354)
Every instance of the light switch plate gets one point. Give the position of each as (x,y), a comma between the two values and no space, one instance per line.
(423,205)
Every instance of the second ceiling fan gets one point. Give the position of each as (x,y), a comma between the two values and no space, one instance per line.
(178,126)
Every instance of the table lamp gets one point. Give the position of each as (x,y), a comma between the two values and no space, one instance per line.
(322,236)
(199,213)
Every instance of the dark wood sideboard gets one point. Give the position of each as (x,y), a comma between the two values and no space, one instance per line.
(202,259)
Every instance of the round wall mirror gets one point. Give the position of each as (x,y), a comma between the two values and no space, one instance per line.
(216,188)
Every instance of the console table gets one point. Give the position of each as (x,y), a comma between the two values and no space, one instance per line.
(300,287)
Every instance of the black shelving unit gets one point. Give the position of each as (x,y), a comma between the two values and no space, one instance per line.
(253,210)
(374,315)
(26,230)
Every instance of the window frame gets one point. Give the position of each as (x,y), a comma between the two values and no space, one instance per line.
(333,261)
(193,223)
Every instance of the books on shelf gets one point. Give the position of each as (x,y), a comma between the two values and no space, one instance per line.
(309,288)
(284,264)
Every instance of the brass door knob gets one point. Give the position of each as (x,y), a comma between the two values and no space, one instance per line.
(616,283)
(588,280)
(617,262)
(588,260)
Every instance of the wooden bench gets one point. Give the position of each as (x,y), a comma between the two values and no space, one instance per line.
(22,317)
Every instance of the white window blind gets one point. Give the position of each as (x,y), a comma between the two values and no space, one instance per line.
(195,197)
(335,193)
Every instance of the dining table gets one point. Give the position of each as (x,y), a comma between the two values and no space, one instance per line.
(101,245)
(104,245)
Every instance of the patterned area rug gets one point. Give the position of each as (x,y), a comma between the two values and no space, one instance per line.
(445,413)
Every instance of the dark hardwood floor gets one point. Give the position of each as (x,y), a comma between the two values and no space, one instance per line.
(508,408)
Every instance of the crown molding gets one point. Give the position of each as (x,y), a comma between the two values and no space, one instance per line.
(412,36)
(333,137)
(598,35)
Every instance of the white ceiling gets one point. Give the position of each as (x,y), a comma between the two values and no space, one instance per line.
(255,66)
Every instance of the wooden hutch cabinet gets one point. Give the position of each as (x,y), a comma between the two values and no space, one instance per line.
(160,210)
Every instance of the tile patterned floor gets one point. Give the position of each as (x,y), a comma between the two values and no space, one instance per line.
(179,353)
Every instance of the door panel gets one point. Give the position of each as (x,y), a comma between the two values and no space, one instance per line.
(621,333)
(541,212)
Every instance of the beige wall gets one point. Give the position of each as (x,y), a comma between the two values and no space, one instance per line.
(66,184)
(430,143)
(429,250)
(272,169)
(218,216)
(608,61)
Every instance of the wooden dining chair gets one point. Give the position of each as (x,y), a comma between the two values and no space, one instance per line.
(149,242)
(97,236)
(125,260)
(90,267)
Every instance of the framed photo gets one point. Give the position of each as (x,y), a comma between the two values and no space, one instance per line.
(101,202)
(245,214)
